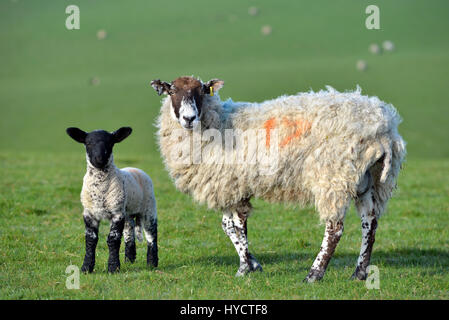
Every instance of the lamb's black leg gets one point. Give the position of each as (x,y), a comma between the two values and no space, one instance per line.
(150,227)
(130,240)
(114,240)
(91,243)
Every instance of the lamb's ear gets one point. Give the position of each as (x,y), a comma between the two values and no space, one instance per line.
(77,134)
(215,84)
(121,134)
(161,86)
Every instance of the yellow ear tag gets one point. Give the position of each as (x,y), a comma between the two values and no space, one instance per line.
(211,91)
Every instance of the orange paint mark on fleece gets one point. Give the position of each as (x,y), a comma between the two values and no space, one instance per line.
(268,125)
(300,127)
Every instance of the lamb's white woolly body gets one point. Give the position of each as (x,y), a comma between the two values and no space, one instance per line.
(126,198)
(327,142)
(110,192)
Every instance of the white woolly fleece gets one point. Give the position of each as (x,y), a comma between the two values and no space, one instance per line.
(327,140)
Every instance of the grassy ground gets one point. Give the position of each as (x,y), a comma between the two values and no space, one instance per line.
(42,233)
(45,73)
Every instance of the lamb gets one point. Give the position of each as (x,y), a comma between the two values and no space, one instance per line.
(123,196)
(324,149)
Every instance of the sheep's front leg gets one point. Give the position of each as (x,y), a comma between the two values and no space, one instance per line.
(234,225)
(332,236)
(91,242)
(114,240)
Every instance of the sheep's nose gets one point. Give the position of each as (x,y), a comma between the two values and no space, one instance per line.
(189,119)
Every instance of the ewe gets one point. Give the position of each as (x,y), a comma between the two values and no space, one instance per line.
(125,197)
(324,148)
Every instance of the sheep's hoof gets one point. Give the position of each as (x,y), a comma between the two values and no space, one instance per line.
(243,270)
(313,276)
(255,266)
(359,274)
(246,268)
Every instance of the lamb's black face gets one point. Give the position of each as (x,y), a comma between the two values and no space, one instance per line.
(99,143)
(99,146)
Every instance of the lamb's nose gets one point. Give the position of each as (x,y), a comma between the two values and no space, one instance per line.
(189,119)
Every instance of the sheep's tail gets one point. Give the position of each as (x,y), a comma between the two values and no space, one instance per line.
(139,229)
(386,144)
(394,153)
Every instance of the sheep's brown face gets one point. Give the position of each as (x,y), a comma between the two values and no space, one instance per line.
(187,95)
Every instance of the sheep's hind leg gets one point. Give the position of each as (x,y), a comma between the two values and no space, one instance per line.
(234,225)
(368,208)
(332,235)
(130,240)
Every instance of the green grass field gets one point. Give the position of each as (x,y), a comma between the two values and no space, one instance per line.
(45,73)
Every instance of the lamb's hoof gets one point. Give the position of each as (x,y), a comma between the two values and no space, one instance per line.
(130,253)
(113,268)
(130,259)
(152,256)
(313,276)
(87,268)
(359,274)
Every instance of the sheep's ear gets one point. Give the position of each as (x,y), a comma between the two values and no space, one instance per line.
(121,134)
(77,134)
(161,86)
(215,84)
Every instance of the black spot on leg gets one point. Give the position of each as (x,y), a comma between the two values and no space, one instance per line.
(334,232)
(360,271)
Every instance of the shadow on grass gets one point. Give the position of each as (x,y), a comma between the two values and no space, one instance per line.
(436,259)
